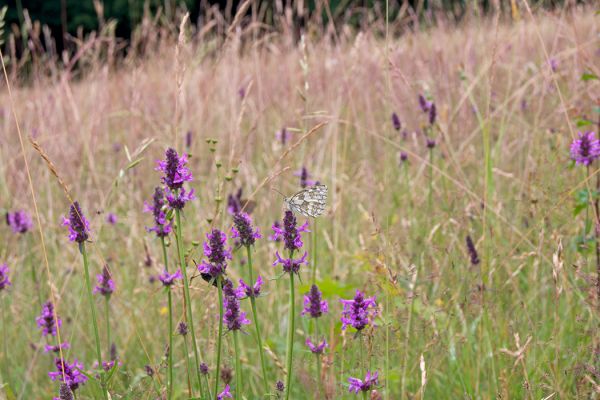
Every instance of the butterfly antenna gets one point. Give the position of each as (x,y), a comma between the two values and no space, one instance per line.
(275,190)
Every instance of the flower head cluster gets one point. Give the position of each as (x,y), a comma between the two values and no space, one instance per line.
(56,348)
(357,385)
(162,228)
(4,281)
(252,291)
(243,229)
(46,320)
(429,108)
(396,122)
(472,251)
(279,386)
(64,393)
(68,373)
(106,285)
(283,135)
(585,149)
(291,265)
(79,227)
(216,254)
(290,233)
(430,143)
(19,221)
(169,279)
(225,393)
(314,306)
(403,156)
(112,219)
(304,175)
(358,312)
(233,318)
(316,348)
(203,368)
(277,232)
(175,174)
(182,328)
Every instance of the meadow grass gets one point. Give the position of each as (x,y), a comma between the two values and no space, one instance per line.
(521,323)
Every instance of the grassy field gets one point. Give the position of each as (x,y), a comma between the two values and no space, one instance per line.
(510,95)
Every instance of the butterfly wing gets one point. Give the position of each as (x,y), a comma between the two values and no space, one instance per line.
(309,202)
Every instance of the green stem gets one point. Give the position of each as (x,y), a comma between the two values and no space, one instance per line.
(430,196)
(290,336)
(6,378)
(387,347)
(188,368)
(256,323)
(106,317)
(220,337)
(238,367)
(170,301)
(318,361)
(94,318)
(187,297)
(314,250)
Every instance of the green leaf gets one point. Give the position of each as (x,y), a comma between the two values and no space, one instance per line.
(584,122)
(588,76)
(134,163)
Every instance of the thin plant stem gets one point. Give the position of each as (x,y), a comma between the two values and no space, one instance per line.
(106,317)
(430,194)
(94,317)
(362,358)
(170,305)
(596,233)
(187,297)
(290,336)
(387,347)
(5,343)
(314,250)
(187,364)
(238,367)
(220,335)
(318,362)
(257,323)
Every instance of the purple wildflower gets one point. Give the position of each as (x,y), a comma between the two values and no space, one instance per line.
(188,139)
(290,232)
(233,317)
(356,385)
(424,104)
(108,365)
(203,368)
(46,320)
(277,232)
(358,312)
(313,303)
(177,199)
(252,291)
(472,251)
(106,285)
(57,348)
(174,170)
(68,373)
(432,114)
(554,64)
(403,157)
(243,229)
(111,218)
(19,221)
(396,122)
(430,143)
(169,279)
(242,93)
(78,225)
(4,281)
(291,265)
(283,135)
(316,349)
(279,386)
(225,393)
(149,370)
(182,328)
(585,149)
(304,175)
(217,254)
(162,228)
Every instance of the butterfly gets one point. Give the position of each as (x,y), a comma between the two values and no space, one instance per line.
(309,202)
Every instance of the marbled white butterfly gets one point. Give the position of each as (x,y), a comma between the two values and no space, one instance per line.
(309,202)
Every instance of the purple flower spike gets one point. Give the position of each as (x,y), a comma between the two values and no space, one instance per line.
(68,373)
(554,64)
(182,328)
(396,122)
(290,232)
(279,386)
(216,253)
(65,393)
(169,279)
(253,291)
(403,157)
(203,368)
(358,312)
(111,219)
(19,221)
(424,104)
(314,306)
(432,114)
(472,251)
(430,143)
(225,393)
(46,320)
(277,232)
(316,349)
(283,135)
(56,348)
(4,281)
(291,265)
(161,227)
(585,149)
(178,198)
(304,175)
(106,285)
(233,317)
(356,385)
(243,229)
(188,139)
(174,169)
(78,225)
